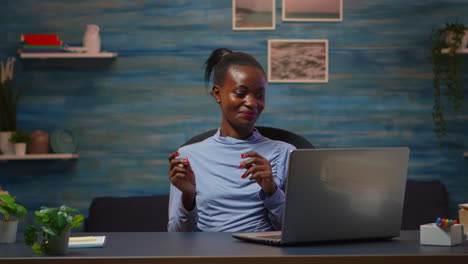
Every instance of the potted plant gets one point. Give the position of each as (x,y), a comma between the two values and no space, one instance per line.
(445,59)
(53,235)
(20,139)
(8,226)
(9,97)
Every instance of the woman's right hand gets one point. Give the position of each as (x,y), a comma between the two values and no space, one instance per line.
(182,177)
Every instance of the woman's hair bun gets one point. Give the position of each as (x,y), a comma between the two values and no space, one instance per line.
(215,57)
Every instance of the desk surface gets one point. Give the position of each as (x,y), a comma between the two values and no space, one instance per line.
(221,248)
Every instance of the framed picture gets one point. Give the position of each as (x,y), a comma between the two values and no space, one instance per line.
(253,14)
(312,10)
(298,60)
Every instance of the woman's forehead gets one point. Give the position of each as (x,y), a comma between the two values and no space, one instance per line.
(242,73)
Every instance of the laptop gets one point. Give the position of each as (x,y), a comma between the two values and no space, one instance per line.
(341,194)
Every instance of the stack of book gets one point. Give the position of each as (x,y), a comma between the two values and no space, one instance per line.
(41,43)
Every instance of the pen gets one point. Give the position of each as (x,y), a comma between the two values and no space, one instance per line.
(443,222)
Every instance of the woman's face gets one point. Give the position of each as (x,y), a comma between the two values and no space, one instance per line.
(242,96)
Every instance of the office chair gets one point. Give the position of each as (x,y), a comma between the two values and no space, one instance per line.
(424,202)
(128,214)
(269,132)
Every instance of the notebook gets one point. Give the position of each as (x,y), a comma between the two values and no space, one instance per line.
(86,241)
(341,194)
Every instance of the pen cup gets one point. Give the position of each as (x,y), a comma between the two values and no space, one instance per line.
(431,234)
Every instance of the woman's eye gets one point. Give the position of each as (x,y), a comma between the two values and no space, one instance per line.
(259,96)
(240,94)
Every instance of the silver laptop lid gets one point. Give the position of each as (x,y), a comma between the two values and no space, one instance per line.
(335,194)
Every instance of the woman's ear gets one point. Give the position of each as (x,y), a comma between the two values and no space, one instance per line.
(215,91)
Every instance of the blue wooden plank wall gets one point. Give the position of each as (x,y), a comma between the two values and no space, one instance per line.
(130,115)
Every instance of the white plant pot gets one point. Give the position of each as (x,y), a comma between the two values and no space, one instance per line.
(20,149)
(6,146)
(464,41)
(8,230)
(59,245)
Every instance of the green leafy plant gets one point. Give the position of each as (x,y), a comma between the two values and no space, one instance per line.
(9,207)
(20,137)
(9,96)
(53,222)
(446,74)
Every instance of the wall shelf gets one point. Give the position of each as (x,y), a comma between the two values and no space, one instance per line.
(463,51)
(68,55)
(64,156)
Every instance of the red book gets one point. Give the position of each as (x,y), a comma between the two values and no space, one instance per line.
(41,39)
(44,43)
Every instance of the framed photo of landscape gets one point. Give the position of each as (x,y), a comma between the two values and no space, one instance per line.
(253,14)
(313,10)
(298,60)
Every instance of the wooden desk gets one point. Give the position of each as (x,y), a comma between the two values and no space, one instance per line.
(221,248)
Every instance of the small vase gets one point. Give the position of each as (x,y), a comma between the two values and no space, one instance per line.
(6,146)
(91,39)
(59,245)
(8,230)
(20,149)
(40,142)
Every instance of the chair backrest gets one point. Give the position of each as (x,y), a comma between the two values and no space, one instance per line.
(424,202)
(128,214)
(269,132)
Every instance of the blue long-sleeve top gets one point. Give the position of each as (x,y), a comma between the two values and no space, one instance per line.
(225,201)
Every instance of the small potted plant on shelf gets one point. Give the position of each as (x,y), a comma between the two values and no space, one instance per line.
(20,139)
(53,236)
(9,98)
(8,226)
(448,42)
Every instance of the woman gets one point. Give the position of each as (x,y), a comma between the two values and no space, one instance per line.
(233,181)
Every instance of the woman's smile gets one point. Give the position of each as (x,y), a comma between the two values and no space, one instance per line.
(249,115)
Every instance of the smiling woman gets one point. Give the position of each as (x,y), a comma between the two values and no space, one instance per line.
(233,181)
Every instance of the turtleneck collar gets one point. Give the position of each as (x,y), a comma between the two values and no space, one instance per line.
(254,138)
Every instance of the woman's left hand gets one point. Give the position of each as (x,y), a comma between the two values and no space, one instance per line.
(259,170)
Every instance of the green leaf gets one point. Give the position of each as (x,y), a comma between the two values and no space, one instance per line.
(4,197)
(61,221)
(20,137)
(42,219)
(67,209)
(49,231)
(77,221)
(69,219)
(30,235)
(37,249)
(4,212)
(7,199)
(21,211)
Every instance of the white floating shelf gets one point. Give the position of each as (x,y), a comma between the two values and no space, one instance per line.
(39,156)
(461,51)
(67,55)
